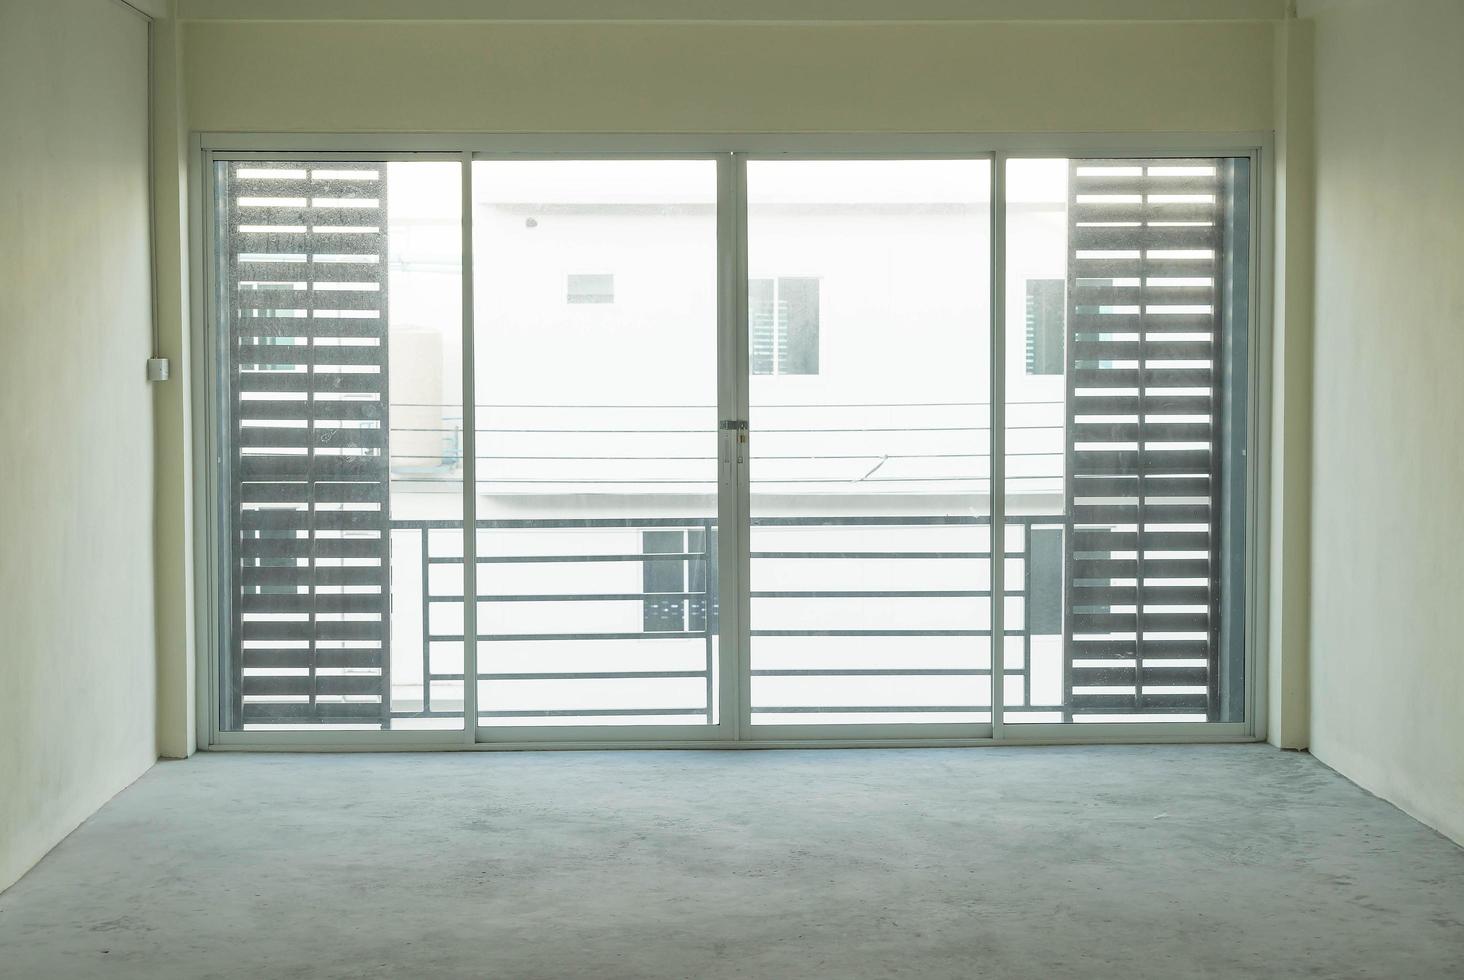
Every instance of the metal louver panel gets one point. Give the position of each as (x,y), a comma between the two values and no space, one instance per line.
(1143,444)
(306,299)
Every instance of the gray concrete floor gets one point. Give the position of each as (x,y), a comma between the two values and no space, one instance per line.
(1163,862)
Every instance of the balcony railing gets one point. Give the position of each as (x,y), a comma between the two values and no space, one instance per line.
(598,620)
(949,586)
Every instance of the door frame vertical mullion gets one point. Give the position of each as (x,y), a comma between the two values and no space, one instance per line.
(732,404)
(996,448)
(728,534)
(470,466)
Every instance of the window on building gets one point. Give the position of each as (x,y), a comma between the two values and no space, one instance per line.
(597,287)
(783,324)
(1045,325)
(677,596)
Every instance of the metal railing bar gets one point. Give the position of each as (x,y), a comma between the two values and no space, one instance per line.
(597,676)
(890,632)
(570,676)
(520,559)
(712,408)
(701,634)
(586,597)
(691,523)
(759,429)
(880,672)
(506,637)
(871,709)
(433,477)
(501,559)
(660,480)
(554,523)
(699,459)
(771,672)
(591,712)
(711,604)
(875,594)
(913,519)
(871,554)
(687,674)
(647,596)
(426,623)
(694,482)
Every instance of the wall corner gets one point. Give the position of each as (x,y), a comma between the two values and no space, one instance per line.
(1288,628)
(173,422)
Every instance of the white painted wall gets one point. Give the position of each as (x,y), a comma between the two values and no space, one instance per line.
(1387,671)
(77,674)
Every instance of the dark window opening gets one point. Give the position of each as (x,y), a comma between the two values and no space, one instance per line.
(590,288)
(783,325)
(1045,325)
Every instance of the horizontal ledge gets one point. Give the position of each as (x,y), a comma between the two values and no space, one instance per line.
(742,12)
(378,146)
(808,737)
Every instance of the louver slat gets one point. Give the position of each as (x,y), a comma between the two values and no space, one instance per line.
(305,272)
(1146,243)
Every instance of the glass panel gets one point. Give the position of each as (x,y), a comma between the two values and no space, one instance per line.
(869,333)
(596,319)
(1126,323)
(339,300)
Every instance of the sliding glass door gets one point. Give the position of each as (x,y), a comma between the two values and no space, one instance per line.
(1127,301)
(868,331)
(720,446)
(595,291)
(337,286)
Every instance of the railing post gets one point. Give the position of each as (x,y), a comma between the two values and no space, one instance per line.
(426,624)
(709,592)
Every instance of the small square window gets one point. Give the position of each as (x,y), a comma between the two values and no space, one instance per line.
(596,287)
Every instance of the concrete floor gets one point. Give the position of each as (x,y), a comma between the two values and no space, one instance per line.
(1163,862)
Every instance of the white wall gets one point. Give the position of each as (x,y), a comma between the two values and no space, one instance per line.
(77,673)
(1387,688)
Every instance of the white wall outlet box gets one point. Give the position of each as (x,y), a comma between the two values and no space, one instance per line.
(157,369)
